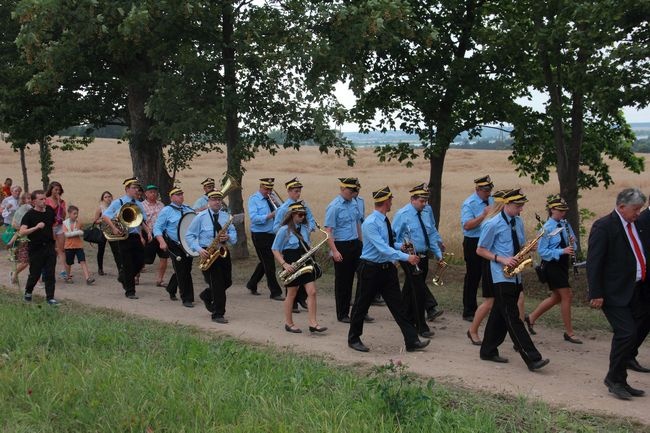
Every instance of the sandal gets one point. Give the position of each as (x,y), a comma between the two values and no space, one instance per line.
(292,329)
(317,328)
(529,325)
(160,284)
(572,339)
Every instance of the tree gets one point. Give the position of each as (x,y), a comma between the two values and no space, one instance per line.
(434,68)
(591,59)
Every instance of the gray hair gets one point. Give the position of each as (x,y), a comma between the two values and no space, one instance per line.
(630,196)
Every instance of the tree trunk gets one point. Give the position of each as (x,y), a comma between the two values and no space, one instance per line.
(235,199)
(45,159)
(436,166)
(23,168)
(146,153)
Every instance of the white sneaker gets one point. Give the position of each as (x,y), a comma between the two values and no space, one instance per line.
(53,302)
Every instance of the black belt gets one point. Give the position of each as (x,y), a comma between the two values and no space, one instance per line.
(346,242)
(384,265)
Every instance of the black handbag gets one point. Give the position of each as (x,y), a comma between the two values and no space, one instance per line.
(318,272)
(541,272)
(93,235)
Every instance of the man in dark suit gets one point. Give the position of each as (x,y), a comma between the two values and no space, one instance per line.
(642,313)
(616,273)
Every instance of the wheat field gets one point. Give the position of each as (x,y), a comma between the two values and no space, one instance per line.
(85,174)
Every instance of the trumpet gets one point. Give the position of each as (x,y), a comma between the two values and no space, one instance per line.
(410,248)
(441,268)
(276,201)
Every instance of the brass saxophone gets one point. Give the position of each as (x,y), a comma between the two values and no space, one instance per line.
(216,248)
(300,265)
(523,257)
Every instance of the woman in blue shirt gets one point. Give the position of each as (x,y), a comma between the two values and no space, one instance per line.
(556,252)
(291,242)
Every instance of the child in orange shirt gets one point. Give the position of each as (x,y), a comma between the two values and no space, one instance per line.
(74,245)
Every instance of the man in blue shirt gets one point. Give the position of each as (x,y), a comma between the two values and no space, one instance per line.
(343,225)
(261,210)
(377,273)
(294,191)
(166,232)
(473,211)
(502,237)
(416,229)
(128,253)
(203,230)
(202,202)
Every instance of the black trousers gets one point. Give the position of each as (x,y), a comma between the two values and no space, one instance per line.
(629,324)
(379,278)
(266,265)
(473,271)
(181,279)
(42,261)
(344,275)
(414,292)
(131,261)
(504,318)
(101,248)
(219,278)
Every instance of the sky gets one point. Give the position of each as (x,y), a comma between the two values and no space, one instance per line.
(346,98)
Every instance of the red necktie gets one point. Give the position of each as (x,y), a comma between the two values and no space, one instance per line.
(637,250)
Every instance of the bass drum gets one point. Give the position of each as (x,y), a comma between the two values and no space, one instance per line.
(183,225)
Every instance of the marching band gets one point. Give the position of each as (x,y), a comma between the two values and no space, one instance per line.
(370,248)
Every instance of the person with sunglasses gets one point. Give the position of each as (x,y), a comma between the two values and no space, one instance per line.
(292,242)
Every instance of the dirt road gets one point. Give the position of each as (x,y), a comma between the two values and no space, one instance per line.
(573,379)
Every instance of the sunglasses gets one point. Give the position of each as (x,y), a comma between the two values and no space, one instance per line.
(301,214)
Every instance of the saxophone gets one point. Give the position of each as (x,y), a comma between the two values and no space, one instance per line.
(299,265)
(524,255)
(216,248)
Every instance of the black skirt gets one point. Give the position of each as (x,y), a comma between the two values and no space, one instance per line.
(291,256)
(557,273)
(486,279)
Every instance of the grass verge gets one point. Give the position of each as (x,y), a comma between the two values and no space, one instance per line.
(74,369)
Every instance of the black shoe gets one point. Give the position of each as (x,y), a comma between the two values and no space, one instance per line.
(303,304)
(292,329)
(346,319)
(253,290)
(433,313)
(368,319)
(529,325)
(277,297)
(474,342)
(495,358)
(133,296)
(536,365)
(633,391)
(188,304)
(206,301)
(317,328)
(418,345)
(633,364)
(220,319)
(618,389)
(358,346)
(101,272)
(468,318)
(427,334)
(378,301)
(572,339)
(172,295)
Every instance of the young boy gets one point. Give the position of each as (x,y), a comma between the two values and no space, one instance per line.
(74,245)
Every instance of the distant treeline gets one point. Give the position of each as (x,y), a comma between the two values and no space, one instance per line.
(111,131)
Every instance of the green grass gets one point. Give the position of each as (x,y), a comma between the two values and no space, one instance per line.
(74,369)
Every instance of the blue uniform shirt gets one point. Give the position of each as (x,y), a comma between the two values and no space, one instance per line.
(168,219)
(201,202)
(285,240)
(342,216)
(407,225)
(258,209)
(113,209)
(496,236)
(375,241)
(472,207)
(282,212)
(362,207)
(201,232)
(549,246)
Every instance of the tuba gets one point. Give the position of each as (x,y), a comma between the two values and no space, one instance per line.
(229,185)
(441,267)
(301,267)
(129,216)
